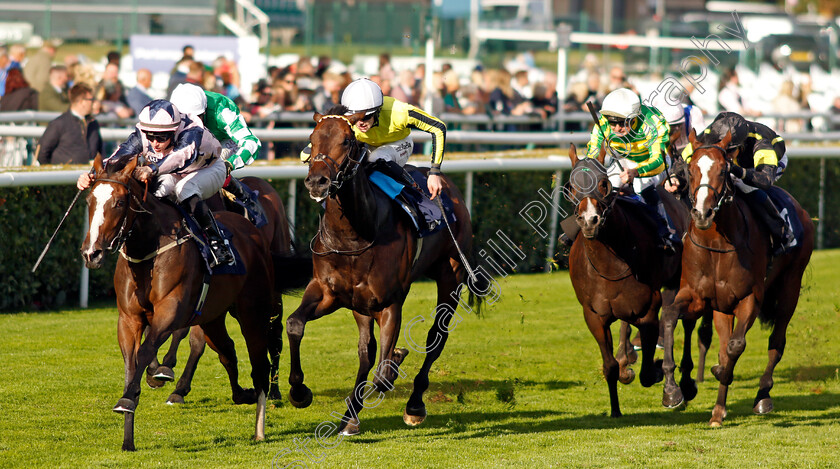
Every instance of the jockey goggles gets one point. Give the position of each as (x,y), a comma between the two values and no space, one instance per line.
(159,136)
(622,121)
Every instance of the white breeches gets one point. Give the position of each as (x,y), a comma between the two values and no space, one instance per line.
(397,152)
(204,183)
(639,183)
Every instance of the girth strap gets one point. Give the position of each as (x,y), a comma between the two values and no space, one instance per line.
(154,253)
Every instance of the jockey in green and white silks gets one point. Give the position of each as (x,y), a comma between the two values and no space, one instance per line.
(638,137)
(221,116)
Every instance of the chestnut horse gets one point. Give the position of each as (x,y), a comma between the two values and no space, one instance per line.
(159,288)
(276,232)
(617,271)
(365,257)
(725,270)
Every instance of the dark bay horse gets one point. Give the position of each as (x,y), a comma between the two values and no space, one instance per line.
(365,258)
(617,271)
(725,271)
(160,289)
(276,233)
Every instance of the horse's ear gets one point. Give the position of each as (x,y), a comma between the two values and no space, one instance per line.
(573,154)
(317,117)
(692,138)
(602,153)
(726,139)
(676,133)
(356,117)
(129,167)
(97,164)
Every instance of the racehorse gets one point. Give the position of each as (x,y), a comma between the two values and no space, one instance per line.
(161,284)
(725,270)
(276,232)
(365,258)
(617,271)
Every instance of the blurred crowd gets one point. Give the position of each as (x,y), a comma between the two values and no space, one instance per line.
(34,80)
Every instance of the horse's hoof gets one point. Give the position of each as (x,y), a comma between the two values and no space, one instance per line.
(128,447)
(246,396)
(274,394)
(153,382)
(415,416)
(627,377)
(688,388)
(672,400)
(763,406)
(175,399)
(615,414)
(717,371)
(350,428)
(715,423)
(124,406)
(301,399)
(164,373)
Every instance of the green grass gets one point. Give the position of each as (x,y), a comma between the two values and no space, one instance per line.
(520,387)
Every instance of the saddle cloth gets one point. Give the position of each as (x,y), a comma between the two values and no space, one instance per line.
(238,268)
(429,208)
(787,210)
(258,218)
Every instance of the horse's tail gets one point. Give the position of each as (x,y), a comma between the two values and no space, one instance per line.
(479,289)
(291,272)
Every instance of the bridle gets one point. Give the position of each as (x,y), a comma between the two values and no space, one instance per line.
(340,173)
(728,189)
(607,202)
(122,234)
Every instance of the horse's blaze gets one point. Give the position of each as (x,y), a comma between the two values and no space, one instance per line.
(588,211)
(101,195)
(705,164)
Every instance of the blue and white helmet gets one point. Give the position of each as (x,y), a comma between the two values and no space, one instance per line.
(159,116)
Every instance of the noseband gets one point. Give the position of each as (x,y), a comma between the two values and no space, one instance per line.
(728,190)
(606,201)
(122,234)
(340,173)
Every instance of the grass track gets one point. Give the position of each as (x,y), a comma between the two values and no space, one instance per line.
(520,387)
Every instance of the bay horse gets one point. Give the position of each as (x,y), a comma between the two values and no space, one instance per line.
(365,257)
(725,271)
(277,234)
(617,271)
(159,288)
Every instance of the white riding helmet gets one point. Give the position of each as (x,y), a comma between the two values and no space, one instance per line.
(621,103)
(159,116)
(362,95)
(189,98)
(673,113)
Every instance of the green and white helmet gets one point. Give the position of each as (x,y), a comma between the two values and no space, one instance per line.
(621,103)
(362,95)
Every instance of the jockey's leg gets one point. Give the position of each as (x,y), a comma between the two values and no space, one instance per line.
(665,226)
(234,186)
(766,210)
(218,245)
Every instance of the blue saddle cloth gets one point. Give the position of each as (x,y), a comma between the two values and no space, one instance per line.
(259,218)
(787,210)
(238,268)
(429,208)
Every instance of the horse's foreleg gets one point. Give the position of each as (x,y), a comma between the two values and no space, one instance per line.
(600,329)
(786,299)
(129,335)
(313,306)
(649,333)
(197,345)
(687,384)
(704,341)
(165,373)
(275,347)
(746,312)
(361,389)
(217,337)
(672,395)
(625,374)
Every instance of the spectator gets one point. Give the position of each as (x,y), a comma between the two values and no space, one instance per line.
(289,97)
(785,103)
(329,93)
(227,73)
(834,110)
(138,97)
(545,102)
(113,57)
(472,100)
(19,96)
(111,93)
(618,79)
(594,90)
(178,74)
(38,68)
(73,137)
(5,66)
(386,71)
(17,54)
(404,90)
(305,74)
(503,99)
(521,85)
(188,52)
(729,94)
(451,87)
(71,62)
(195,74)
(53,97)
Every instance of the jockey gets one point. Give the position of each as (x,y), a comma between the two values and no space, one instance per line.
(386,129)
(185,161)
(239,145)
(681,118)
(638,136)
(758,154)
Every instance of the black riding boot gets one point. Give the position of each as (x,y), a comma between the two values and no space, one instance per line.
(253,206)
(665,231)
(218,245)
(765,209)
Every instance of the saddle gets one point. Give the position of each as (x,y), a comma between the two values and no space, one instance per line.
(409,190)
(787,210)
(192,227)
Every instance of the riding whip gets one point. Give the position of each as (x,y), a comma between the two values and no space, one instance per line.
(594,115)
(47,247)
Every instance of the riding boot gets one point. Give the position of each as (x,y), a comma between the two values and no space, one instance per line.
(251,204)
(219,247)
(781,236)
(665,230)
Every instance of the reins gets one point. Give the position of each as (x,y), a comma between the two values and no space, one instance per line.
(119,241)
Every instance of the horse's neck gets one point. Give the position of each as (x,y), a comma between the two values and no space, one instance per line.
(732,221)
(616,236)
(354,212)
(155,220)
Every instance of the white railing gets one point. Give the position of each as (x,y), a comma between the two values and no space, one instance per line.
(246,16)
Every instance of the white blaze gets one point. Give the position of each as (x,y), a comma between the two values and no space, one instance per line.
(101,195)
(590,212)
(705,164)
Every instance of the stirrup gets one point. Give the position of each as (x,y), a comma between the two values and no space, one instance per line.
(221,253)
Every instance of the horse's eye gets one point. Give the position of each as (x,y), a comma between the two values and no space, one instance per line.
(120,203)
(347,142)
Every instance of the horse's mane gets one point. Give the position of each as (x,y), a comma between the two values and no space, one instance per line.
(337,110)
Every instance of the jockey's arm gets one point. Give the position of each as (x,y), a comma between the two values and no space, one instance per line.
(760,177)
(437,129)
